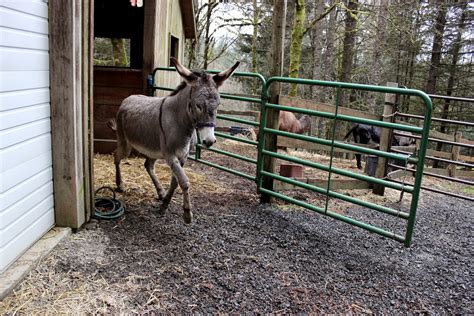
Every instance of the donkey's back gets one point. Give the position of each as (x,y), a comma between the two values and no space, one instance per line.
(138,124)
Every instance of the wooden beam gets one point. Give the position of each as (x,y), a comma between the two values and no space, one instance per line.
(65,22)
(255,114)
(385,138)
(454,155)
(88,103)
(296,143)
(324,107)
(187,15)
(149,36)
(336,184)
(277,49)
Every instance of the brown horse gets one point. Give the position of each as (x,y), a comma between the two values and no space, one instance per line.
(289,123)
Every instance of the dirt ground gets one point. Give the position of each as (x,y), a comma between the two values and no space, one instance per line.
(241,256)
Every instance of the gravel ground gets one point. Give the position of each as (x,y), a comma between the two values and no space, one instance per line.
(239,256)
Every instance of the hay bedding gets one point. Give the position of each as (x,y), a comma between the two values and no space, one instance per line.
(239,256)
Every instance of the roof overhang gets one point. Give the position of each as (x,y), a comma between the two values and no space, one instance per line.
(187,14)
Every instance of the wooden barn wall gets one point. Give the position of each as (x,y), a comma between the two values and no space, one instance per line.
(111,86)
(168,22)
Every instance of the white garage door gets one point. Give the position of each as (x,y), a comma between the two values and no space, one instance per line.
(26,188)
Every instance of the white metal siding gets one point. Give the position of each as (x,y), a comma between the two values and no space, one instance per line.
(26,187)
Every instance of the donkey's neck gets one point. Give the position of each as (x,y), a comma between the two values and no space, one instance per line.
(178,104)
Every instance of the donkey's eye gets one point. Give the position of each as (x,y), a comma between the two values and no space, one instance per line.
(199,107)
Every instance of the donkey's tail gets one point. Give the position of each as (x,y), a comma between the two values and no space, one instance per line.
(112,124)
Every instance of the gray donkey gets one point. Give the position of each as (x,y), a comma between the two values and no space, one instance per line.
(165,127)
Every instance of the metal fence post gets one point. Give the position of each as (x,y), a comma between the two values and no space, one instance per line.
(385,138)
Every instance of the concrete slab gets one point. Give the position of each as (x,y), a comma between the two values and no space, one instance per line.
(10,278)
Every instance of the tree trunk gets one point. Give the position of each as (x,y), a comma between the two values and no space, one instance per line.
(207,40)
(345,73)
(256,14)
(119,52)
(329,54)
(413,51)
(452,70)
(379,39)
(277,51)
(436,49)
(296,43)
(317,71)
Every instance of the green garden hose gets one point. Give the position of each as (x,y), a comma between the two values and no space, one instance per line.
(107,208)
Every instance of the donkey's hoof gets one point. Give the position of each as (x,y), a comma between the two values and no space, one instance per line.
(188,216)
(163,208)
(119,189)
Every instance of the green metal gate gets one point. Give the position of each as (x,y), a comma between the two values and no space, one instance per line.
(263,151)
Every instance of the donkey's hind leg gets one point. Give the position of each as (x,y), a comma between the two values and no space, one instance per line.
(169,194)
(123,150)
(150,168)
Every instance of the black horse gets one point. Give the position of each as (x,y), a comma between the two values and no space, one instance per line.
(367,134)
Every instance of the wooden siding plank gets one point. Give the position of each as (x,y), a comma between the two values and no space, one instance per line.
(24,151)
(26,239)
(15,176)
(15,59)
(17,117)
(113,95)
(23,21)
(18,99)
(113,77)
(23,39)
(22,80)
(29,186)
(22,133)
(22,207)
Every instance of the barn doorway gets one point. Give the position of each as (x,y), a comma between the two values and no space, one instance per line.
(120,65)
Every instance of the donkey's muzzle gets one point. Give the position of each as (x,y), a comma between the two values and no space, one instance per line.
(209,142)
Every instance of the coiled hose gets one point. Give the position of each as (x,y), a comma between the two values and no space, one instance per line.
(107,208)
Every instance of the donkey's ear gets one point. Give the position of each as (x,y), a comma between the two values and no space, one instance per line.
(224,75)
(184,72)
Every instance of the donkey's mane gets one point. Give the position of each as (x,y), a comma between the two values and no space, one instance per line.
(199,73)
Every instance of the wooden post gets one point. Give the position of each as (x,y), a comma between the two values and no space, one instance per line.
(67,123)
(385,138)
(278,45)
(88,102)
(454,155)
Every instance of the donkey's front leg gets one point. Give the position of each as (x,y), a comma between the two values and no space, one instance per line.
(150,168)
(183,181)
